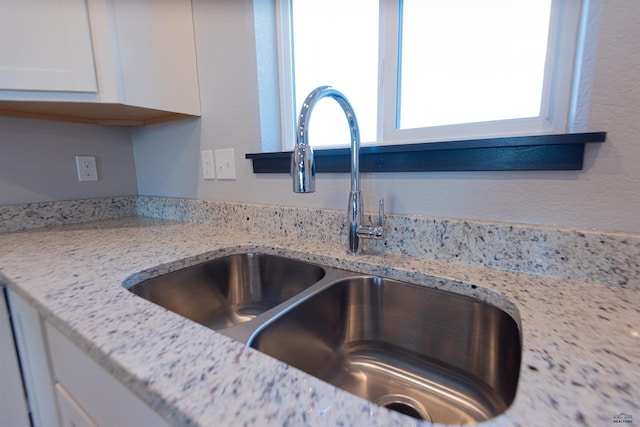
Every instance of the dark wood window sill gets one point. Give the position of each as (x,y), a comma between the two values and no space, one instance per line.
(540,152)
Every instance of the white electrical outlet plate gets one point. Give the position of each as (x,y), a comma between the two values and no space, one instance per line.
(87,168)
(208,169)
(225,165)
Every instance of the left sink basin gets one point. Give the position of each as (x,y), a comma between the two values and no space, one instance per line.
(228,291)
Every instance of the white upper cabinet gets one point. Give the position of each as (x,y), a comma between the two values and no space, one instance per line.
(57,54)
(98,61)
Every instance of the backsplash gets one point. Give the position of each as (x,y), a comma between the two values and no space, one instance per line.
(595,256)
(609,258)
(35,215)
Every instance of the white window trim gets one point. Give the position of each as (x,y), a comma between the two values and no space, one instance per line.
(556,105)
(286,78)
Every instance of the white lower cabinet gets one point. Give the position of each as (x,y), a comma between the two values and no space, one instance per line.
(101,397)
(32,350)
(13,403)
(65,386)
(71,413)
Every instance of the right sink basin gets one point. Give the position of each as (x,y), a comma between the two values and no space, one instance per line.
(427,353)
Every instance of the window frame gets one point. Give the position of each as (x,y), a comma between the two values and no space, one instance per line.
(556,107)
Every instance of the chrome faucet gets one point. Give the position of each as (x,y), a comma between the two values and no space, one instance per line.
(303,168)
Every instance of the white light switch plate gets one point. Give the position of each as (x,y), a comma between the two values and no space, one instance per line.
(208,170)
(87,168)
(225,165)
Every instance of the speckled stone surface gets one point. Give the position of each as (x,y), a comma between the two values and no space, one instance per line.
(594,256)
(581,341)
(34,215)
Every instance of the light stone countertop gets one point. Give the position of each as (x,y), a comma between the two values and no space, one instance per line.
(581,342)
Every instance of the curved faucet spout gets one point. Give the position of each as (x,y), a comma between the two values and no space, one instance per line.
(303,164)
(303,168)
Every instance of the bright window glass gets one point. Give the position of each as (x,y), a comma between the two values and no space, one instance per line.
(465,61)
(335,43)
(429,70)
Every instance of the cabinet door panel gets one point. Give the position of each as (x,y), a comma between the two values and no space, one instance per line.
(29,336)
(13,404)
(71,414)
(46,45)
(101,396)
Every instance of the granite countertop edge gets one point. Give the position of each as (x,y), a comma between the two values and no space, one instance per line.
(580,340)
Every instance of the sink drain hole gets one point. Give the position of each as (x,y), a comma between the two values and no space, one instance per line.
(405,405)
(405,409)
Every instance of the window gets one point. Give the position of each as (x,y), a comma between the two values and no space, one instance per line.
(429,70)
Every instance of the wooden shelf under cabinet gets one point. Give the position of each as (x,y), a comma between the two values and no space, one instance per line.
(88,112)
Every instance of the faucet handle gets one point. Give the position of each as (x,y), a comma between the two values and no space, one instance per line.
(376,232)
(381,212)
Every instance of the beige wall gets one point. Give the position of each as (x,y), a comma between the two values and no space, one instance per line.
(605,195)
(37,161)
(36,158)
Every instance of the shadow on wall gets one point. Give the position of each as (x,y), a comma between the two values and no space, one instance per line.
(163,153)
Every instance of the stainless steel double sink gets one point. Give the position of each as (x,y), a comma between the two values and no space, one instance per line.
(427,353)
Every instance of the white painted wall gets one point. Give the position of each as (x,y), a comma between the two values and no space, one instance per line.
(37,161)
(605,195)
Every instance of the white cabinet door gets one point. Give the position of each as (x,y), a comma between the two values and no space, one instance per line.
(98,395)
(64,384)
(46,45)
(13,405)
(35,364)
(72,414)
